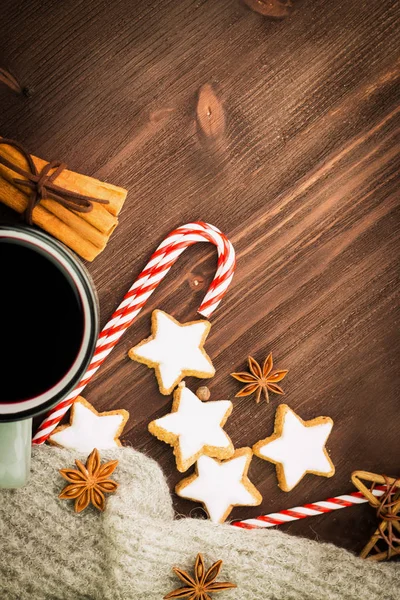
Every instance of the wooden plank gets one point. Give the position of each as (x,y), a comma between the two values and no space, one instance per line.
(302,175)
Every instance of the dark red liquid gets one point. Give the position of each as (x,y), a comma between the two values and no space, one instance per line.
(41,322)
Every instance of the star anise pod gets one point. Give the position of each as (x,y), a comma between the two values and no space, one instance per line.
(202,584)
(260,379)
(89,483)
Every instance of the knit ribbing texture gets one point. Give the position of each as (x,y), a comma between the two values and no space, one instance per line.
(47,552)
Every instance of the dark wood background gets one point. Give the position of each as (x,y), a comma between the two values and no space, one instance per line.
(303,178)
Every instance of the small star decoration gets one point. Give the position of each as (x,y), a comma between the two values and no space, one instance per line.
(89,483)
(201,584)
(260,379)
(387,509)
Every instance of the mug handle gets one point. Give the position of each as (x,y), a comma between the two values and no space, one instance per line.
(15,453)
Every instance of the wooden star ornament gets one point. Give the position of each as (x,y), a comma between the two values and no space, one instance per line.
(387,507)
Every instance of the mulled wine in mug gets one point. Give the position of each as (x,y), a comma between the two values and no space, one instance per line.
(49,328)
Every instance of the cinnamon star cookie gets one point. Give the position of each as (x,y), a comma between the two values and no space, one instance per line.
(174,350)
(194,428)
(89,429)
(297,447)
(221,485)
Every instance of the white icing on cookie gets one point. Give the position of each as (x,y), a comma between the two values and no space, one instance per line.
(175,350)
(221,485)
(298,447)
(194,426)
(90,429)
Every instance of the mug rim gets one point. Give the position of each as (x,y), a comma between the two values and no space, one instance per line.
(81,281)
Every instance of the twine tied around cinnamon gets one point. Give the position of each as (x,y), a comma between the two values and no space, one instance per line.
(42,183)
(388,511)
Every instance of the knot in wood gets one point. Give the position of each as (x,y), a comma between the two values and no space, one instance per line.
(196,282)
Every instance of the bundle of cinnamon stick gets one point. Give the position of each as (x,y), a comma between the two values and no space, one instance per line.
(87,233)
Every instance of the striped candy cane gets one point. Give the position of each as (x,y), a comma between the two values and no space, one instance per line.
(308,510)
(156,269)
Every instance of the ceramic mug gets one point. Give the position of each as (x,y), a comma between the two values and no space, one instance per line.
(49,324)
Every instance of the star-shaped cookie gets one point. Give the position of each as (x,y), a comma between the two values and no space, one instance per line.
(220,486)
(297,447)
(89,429)
(174,350)
(194,428)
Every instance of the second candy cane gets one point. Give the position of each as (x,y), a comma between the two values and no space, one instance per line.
(307,510)
(160,263)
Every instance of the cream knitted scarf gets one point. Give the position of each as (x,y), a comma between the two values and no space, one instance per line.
(47,552)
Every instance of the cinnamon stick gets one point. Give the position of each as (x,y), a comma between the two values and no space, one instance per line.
(66,226)
(103,216)
(85,232)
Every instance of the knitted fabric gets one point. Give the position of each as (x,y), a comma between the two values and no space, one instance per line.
(47,552)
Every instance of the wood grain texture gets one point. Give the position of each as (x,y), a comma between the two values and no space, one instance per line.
(304,180)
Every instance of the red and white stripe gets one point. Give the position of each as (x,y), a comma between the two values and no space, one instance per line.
(156,269)
(308,510)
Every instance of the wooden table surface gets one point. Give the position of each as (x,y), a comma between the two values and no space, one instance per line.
(300,171)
